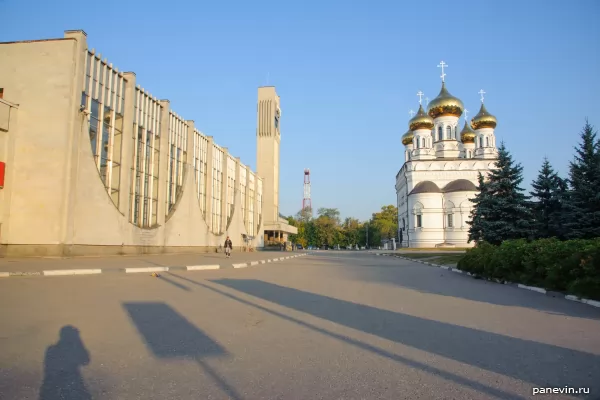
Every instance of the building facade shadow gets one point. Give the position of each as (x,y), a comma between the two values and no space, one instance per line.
(168,335)
(540,364)
(62,364)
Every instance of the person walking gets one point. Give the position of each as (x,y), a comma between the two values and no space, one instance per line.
(228,247)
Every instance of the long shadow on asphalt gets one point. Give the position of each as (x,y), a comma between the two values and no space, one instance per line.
(62,364)
(499,393)
(540,364)
(437,281)
(176,284)
(170,336)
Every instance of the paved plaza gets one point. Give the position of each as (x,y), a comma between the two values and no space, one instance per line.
(328,325)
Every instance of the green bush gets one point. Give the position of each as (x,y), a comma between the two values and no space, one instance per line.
(572,266)
(506,261)
(475,259)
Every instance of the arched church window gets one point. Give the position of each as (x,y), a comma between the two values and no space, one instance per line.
(481,142)
(448,132)
(440,133)
(422,142)
(487,142)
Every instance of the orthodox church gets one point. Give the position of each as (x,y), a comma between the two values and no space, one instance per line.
(440,171)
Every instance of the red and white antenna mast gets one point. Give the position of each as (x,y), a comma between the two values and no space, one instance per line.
(306,203)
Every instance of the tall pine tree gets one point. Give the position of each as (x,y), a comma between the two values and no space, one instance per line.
(547,193)
(582,216)
(502,211)
(481,208)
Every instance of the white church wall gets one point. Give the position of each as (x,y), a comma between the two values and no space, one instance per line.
(459,205)
(429,207)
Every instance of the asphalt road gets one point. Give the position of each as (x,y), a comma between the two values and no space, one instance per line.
(333,325)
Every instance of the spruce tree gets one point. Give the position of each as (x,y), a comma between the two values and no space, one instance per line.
(557,219)
(547,208)
(502,211)
(582,216)
(477,222)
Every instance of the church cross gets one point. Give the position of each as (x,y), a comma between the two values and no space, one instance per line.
(443,65)
(411,112)
(427,100)
(481,92)
(420,94)
(466,112)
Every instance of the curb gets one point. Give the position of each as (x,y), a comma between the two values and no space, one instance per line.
(570,297)
(95,271)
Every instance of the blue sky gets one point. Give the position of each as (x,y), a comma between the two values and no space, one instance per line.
(347,75)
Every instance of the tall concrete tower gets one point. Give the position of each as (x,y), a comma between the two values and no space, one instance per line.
(268,139)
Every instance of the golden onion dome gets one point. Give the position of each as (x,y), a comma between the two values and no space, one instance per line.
(467,135)
(407,138)
(445,104)
(483,119)
(421,121)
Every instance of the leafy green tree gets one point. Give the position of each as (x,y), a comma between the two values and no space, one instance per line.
(351,229)
(502,211)
(582,214)
(304,215)
(331,213)
(548,190)
(386,222)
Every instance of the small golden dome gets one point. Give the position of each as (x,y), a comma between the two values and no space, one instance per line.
(421,121)
(407,138)
(483,119)
(445,104)
(467,135)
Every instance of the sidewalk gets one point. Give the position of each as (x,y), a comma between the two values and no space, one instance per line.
(142,263)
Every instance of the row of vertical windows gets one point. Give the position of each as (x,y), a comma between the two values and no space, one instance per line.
(250,225)
(217,187)
(422,143)
(487,141)
(200,168)
(230,187)
(451,132)
(259,200)
(449,220)
(144,171)
(177,158)
(103,97)
(243,176)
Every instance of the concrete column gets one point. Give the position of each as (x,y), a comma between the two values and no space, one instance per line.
(209,181)
(127,147)
(76,125)
(224,189)
(163,162)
